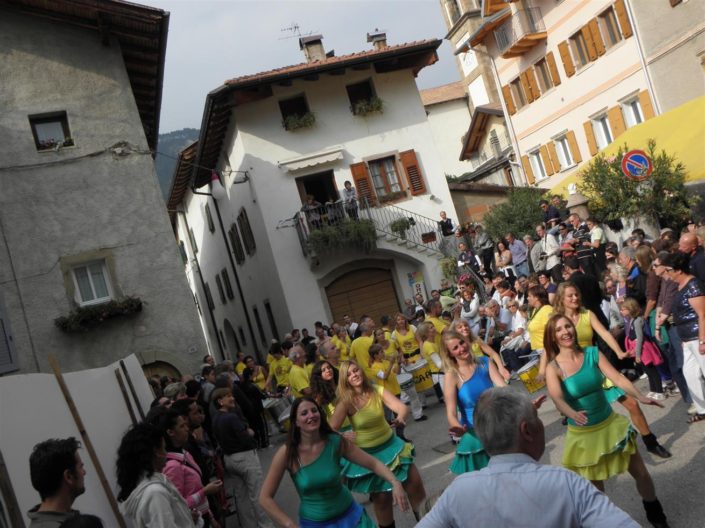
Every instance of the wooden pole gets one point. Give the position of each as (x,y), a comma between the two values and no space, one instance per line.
(132,389)
(9,497)
(86,439)
(125,397)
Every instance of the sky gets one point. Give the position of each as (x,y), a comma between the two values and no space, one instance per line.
(211,41)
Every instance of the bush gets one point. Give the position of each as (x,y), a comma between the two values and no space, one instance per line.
(663,196)
(519,214)
(86,317)
(360,234)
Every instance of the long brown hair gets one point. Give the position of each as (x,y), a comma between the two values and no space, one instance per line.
(345,392)
(323,390)
(550,343)
(558,306)
(294,437)
(449,362)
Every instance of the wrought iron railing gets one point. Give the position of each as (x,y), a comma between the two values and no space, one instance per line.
(523,22)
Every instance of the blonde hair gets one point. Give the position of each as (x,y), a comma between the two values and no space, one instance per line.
(423,330)
(632,306)
(558,306)
(345,392)
(449,362)
(456,323)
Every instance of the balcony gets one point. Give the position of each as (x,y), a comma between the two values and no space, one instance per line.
(520,33)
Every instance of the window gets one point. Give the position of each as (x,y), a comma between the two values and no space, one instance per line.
(454,10)
(272,322)
(579,48)
(92,284)
(242,335)
(192,238)
(260,328)
(235,242)
(221,292)
(360,93)
(563,150)
(209,296)
(601,128)
(182,252)
(518,93)
(8,359)
(537,165)
(292,110)
(385,177)
(226,284)
(50,131)
(609,28)
(209,219)
(247,237)
(632,112)
(543,75)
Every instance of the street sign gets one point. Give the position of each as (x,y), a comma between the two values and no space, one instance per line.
(637,165)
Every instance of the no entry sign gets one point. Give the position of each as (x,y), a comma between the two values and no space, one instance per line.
(637,165)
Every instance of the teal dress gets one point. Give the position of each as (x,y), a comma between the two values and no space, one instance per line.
(325,502)
(470,455)
(601,448)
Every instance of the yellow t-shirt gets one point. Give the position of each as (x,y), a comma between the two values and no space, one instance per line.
(240,368)
(369,423)
(430,348)
(439,325)
(537,325)
(391,383)
(309,369)
(259,379)
(584,329)
(360,352)
(342,346)
(298,380)
(477,349)
(281,368)
(407,343)
(269,359)
(391,350)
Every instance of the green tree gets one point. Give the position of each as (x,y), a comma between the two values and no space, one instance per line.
(663,196)
(519,214)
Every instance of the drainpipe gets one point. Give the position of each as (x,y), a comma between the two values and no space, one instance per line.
(654,100)
(203,287)
(234,269)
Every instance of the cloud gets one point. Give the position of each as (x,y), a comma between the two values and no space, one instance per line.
(212,41)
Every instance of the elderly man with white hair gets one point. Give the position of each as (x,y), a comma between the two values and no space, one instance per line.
(514,489)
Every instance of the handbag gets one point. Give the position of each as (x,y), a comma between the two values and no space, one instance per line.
(650,353)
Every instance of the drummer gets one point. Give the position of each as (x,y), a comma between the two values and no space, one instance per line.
(386,369)
(426,334)
(404,335)
(434,309)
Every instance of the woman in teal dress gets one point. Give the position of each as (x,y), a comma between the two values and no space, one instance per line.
(312,455)
(599,443)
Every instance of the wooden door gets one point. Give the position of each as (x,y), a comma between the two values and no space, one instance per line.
(367,291)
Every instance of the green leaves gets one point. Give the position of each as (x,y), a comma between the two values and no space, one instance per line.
(519,214)
(360,234)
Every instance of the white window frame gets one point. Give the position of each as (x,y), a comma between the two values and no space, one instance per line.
(106,277)
(601,129)
(632,112)
(565,157)
(537,165)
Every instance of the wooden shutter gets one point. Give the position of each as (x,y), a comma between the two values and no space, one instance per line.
(574,150)
(589,43)
(531,75)
(564,52)
(408,160)
(527,169)
(363,182)
(597,37)
(647,108)
(616,119)
(553,156)
(524,79)
(623,18)
(551,61)
(507,94)
(590,135)
(547,165)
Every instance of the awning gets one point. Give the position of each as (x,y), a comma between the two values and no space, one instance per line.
(311,160)
(680,132)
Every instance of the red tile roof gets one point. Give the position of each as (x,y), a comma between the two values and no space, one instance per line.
(444,93)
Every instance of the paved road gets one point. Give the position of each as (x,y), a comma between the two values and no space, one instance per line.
(680,480)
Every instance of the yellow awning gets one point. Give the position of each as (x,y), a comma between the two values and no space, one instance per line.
(680,132)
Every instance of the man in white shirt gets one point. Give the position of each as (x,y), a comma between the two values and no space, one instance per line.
(514,490)
(550,253)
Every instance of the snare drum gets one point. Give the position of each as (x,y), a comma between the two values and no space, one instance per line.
(422,375)
(406,381)
(277,406)
(527,375)
(284,419)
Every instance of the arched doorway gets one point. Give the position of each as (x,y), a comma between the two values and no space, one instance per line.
(367,291)
(161,368)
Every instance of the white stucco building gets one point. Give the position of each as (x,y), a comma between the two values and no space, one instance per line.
(279,280)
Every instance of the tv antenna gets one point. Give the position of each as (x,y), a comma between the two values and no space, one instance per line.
(295,31)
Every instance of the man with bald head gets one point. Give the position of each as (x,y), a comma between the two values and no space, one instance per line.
(689,245)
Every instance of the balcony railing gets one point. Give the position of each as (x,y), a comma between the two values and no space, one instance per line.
(520,33)
(490,152)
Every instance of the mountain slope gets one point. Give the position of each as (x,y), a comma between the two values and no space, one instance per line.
(167,151)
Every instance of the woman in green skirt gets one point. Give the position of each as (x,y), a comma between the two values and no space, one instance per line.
(599,443)
(312,456)
(363,404)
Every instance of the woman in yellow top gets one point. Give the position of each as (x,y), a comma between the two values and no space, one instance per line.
(362,403)
(478,347)
(404,336)
(389,346)
(342,342)
(568,302)
(259,373)
(426,335)
(541,312)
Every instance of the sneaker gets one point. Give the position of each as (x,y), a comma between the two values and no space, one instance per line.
(422,419)
(692,410)
(643,376)
(658,396)
(672,388)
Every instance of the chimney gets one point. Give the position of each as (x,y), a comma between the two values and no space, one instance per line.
(378,39)
(313,48)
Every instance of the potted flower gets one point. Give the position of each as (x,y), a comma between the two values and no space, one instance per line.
(400,226)
(296,121)
(373,105)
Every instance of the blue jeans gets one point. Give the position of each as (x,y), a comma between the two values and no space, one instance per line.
(674,355)
(523,268)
